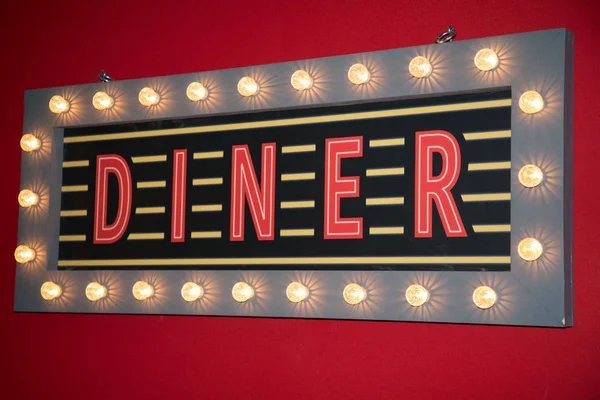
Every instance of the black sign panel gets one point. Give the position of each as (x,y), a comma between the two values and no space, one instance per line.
(470,231)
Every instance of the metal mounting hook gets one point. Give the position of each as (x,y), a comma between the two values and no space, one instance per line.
(446,36)
(104,77)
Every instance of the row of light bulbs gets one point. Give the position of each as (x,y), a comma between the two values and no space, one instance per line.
(485,60)
(529,249)
(416,295)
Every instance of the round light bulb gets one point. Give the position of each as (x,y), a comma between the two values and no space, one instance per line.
(486,59)
(531,102)
(484,297)
(359,74)
(296,292)
(248,87)
(50,291)
(196,91)
(301,80)
(30,143)
(148,97)
(420,67)
(59,104)
(95,291)
(102,101)
(191,291)
(27,198)
(24,254)
(417,295)
(142,290)
(354,294)
(530,249)
(530,176)
(242,292)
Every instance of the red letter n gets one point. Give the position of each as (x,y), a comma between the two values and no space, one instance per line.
(261,199)
(337,188)
(111,164)
(436,188)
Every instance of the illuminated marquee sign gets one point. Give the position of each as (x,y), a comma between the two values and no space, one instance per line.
(412,184)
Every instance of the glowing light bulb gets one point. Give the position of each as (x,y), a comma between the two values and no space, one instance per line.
(242,292)
(102,101)
(24,254)
(50,291)
(191,291)
(148,97)
(530,249)
(420,67)
(196,91)
(30,143)
(296,292)
(95,291)
(301,80)
(59,104)
(486,59)
(484,297)
(417,295)
(142,290)
(354,294)
(531,102)
(359,74)
(248,87)
(530,176)
(27,198)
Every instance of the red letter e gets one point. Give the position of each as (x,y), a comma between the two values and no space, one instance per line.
(338,187)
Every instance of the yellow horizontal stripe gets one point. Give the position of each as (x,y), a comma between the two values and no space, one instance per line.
(298,177)
(150,210)
(208,154)
(487,135)
(288,261)
(75,188)
(71,238)
(491,228)
(384,201)
(486,197)
(73,213)
(386,142)
(297,204)
(148,159)
(207,207)
(206,235)
(144,236)
(489,166)
(385,171)
(207,181)
(295,121)
(299,149)
(297,232)
(71,164)
(391,230)
(151,184)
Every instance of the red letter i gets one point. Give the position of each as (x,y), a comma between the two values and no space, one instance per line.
(178,204)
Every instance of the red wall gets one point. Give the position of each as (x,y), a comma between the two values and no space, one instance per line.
(47,356)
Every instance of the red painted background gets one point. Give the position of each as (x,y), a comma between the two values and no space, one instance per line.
(56,43)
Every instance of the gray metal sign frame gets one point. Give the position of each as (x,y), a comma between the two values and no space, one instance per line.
(538,293)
